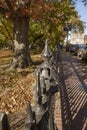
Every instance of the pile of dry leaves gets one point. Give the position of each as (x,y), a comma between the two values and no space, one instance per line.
(15,98)
(15,87)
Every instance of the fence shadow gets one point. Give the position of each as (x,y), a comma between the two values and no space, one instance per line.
(73,97)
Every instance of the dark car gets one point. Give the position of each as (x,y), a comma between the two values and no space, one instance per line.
(66,48)
(82,52)
(73,48)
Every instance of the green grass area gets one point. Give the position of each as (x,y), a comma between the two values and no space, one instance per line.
(5,57)
(4,61)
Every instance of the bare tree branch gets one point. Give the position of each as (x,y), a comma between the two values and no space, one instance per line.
(28,2)
(3,10)
(36,39)
(9,5)
(7,31)
(22,3)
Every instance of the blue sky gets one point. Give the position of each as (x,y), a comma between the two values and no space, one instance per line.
(82,12)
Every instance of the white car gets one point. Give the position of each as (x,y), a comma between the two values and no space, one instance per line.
(82,52)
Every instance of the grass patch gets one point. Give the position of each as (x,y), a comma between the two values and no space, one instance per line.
(5,61)
(5,57)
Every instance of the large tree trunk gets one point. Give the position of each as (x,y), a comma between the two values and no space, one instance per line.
(21,55)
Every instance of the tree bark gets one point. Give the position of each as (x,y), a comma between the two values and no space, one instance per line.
(21,54)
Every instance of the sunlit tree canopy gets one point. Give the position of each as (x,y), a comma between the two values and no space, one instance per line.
(26,21)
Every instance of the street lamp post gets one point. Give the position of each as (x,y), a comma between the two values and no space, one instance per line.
(68,28)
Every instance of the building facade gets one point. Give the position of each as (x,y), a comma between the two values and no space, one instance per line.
(85,39)
(77,38)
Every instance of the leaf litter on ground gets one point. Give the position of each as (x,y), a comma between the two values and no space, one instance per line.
(16,87)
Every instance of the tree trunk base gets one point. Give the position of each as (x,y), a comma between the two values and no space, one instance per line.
(17,66)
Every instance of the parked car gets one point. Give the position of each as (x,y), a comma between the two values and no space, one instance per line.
(82,52)
(73,48)
(66,48)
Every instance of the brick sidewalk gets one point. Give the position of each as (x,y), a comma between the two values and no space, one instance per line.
(73,95)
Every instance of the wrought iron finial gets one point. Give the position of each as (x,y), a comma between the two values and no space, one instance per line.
(46,52)
(29,113)
(4,123)
(38,89)
(29,120)
(38,96)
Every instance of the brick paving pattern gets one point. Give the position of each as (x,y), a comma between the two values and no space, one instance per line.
(73,95)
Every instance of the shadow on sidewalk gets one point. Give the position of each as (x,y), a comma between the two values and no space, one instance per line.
(73,97)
